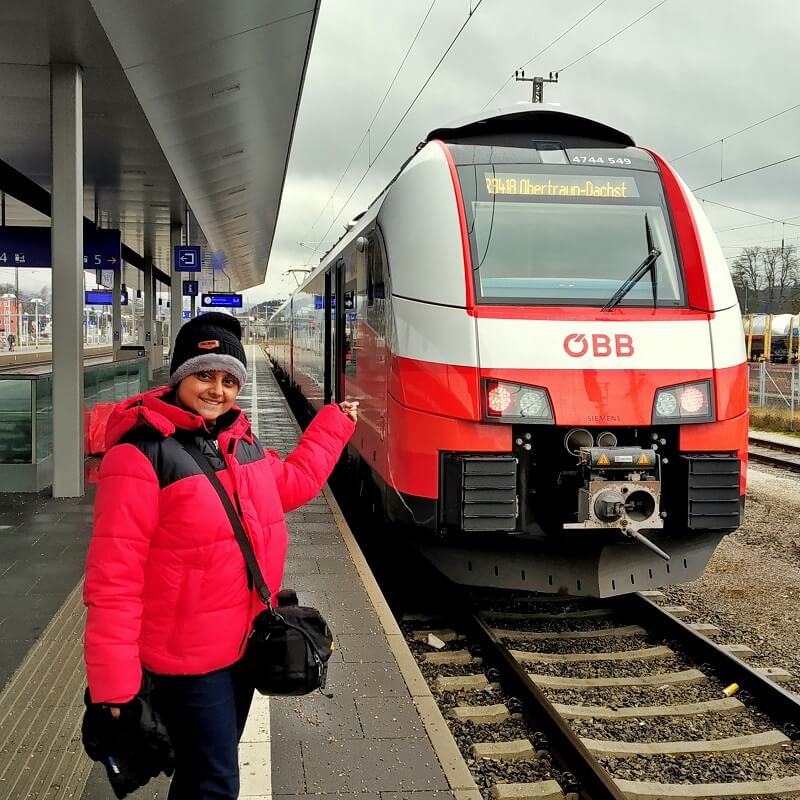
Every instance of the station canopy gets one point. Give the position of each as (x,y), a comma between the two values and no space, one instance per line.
(187,105)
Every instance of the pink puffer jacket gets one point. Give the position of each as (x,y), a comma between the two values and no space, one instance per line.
(166,585)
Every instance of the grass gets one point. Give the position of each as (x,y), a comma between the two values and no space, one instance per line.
(765,418)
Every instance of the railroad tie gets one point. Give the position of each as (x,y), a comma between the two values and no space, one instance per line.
(727,705)
(776,674)
(677,611)
(514,750)
(603,633)
(589,613)
(541,790)
(457,657)
(705,628)
(645,790)
(769,740)
(668,678)
(466,683)
(738,650)
(481,715)
(579,658)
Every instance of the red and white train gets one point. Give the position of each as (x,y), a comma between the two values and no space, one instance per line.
(542,332)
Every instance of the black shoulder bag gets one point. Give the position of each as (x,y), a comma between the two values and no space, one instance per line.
(288,651)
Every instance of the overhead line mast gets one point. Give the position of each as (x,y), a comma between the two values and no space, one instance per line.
(537,88)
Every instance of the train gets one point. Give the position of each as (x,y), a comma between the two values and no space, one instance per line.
(542,332)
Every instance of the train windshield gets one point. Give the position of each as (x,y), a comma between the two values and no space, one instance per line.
(560,235)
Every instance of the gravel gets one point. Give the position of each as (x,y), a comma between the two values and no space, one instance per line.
(751,588)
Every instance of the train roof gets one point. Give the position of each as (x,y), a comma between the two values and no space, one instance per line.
(528,118)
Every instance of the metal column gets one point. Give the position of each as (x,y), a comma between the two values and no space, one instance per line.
(176,289)
(148,296)
(66,135)
(116,313)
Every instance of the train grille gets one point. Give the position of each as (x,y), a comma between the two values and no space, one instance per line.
(488,493)
(713,492)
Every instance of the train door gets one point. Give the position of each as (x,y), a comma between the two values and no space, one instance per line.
(328,322)
(334,333)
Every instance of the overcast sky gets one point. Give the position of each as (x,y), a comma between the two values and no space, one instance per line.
(688,73)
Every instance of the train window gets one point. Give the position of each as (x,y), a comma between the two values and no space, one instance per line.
(375,280)
(563,235)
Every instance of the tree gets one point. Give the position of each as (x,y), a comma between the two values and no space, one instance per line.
(746,269)
(788,270)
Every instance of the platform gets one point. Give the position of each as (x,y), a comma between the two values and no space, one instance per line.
(379,736)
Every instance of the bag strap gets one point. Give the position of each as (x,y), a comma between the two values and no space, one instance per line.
(190,446)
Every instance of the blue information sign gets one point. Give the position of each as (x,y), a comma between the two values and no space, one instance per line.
(29,246)
(187,314)
(101,249)
(191,288)
(99,297)
(222,300)
(187,259)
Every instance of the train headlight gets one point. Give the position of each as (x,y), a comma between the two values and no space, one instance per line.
(533,403)
(687,402)
(513,402)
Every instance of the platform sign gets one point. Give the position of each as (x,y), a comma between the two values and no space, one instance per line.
(99,297)
(221,300)
(101,249)
(187,314)
(29,246)
(191,288)
(187,258)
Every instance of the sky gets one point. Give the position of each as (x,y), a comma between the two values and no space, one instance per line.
(675,74)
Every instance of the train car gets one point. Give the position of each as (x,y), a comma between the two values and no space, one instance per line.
(545,340)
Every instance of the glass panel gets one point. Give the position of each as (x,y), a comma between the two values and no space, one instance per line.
(44,418)
(15,422)
(570,239)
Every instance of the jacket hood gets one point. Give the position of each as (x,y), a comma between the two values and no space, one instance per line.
(153,409)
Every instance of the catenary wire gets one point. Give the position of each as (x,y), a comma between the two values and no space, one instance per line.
(747,172)
(374,117)
(784,220)
(736,133)
(544,49)
(402,118)
(620,31)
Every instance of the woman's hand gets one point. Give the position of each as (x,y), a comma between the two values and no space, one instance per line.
(350,409)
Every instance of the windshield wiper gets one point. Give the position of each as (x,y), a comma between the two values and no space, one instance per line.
(648,265)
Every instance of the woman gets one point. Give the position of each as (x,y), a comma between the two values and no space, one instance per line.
(169,602)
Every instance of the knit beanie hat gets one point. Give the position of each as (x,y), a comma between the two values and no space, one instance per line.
(209,342)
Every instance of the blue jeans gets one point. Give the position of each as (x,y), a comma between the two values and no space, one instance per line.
(205,716)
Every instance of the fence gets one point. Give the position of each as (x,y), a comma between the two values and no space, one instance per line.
(775,386)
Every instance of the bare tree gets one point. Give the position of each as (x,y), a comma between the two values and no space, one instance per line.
(746,269)
(788,270)
(770,261)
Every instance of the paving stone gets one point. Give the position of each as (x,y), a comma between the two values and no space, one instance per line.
(366,680)
(315,716)
(364,647)
(389,717)
(288,762)
(372,765)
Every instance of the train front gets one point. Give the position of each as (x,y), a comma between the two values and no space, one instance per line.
(610,367)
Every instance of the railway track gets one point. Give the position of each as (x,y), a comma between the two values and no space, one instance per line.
(775,454)
(567,698)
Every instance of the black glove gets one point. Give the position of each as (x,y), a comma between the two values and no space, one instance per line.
(134,747)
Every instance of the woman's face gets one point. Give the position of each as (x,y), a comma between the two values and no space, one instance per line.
(209,393)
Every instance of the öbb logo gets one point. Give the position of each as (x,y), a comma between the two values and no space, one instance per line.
(602,345)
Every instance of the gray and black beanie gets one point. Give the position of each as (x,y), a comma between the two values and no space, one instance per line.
(209,342)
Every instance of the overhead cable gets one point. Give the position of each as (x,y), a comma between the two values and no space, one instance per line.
(374,117)
(747,172)
(736,133)
(405,114)
(753,213)
(545,49)
(610,38)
